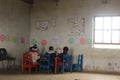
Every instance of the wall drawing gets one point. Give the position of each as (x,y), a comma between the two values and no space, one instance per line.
(52,23)
(77,26)
(43,42)
(80,41)
(33,41)
(56,40)
(12,38)
(44,25)
(22,40)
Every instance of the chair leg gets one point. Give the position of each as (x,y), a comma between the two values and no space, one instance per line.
(8,63)
(22,68)
(14,65)
(71,68)
(36,68)
(63,68)
(55,68)
(48,70)
(30,69)
(3,65)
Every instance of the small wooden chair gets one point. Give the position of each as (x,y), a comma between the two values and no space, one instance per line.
(27,62)
(80,62)
(5,57)
(66,63)
(57,63)
(44,62)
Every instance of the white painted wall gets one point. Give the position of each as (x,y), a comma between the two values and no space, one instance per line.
(15,21)
(101,60)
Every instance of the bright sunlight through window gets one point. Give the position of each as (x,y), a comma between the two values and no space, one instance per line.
(107,32)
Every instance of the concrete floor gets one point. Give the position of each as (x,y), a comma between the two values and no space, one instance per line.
(16,74)
(65,76)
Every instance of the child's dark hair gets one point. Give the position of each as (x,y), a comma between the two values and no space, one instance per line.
(35,46)
(65,49)
(51,48)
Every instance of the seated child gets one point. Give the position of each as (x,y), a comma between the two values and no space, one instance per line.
(51,50)
(58,51)
(65,52)
(34,53)
(52,56)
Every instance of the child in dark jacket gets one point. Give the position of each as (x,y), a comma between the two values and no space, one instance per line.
(52,54)
(65,52)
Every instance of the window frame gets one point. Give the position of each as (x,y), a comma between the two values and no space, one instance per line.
(102,43)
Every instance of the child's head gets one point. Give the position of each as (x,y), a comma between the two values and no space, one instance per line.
(65,49)
(58,50)
(51,48)
(34,48)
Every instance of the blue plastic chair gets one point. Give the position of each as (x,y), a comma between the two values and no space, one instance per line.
(67,63)
(80,62)
(44,62)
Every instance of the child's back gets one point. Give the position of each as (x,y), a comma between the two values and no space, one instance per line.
(65,52)
(34,53)
(35,56)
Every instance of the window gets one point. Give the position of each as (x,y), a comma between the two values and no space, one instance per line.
(107,31)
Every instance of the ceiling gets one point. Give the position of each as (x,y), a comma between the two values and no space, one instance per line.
(32,1)
(28,1)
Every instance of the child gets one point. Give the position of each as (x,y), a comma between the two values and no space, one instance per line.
(34,53)
(58,51)
(65,52)
(51,50)
(52,56)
